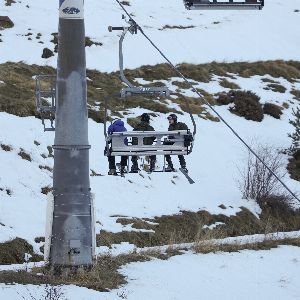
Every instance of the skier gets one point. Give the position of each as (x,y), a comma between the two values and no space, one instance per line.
(175,125)
(117,126)
(144,125)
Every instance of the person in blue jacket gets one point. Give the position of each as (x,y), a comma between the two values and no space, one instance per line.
(117,126)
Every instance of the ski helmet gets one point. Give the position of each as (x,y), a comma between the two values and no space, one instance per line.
(172,117)
(145,118)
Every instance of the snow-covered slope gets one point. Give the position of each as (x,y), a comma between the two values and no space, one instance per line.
(215,35)
(223,36)
(213,164)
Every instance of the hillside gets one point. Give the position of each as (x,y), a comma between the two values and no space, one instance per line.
(150,226)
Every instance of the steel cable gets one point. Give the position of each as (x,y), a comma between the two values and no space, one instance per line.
(206,102)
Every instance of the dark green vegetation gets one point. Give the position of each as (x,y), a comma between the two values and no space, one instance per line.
(294,166)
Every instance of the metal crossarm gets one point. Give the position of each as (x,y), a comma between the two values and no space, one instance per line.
(165,142)
(45,93)
(229,4)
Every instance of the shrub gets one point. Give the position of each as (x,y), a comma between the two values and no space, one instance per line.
(225,98)
(257,182)
(228,84)
(247,105)
(272,110)
(278,88)
(295,136)
(24,155)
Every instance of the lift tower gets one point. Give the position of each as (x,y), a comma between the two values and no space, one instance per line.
(72,241)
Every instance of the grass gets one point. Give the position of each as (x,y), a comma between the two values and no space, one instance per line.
(177,27)
(13,252)
(278,88)
(103,276)
(296,94)
(17,95)
(24,155)
(207,247)
(6,148)
(228,84)
(188,226)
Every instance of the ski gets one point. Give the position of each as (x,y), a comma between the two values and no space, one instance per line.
(190,180)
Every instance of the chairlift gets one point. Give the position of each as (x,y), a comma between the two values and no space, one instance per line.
(166,143)
(229,4)
(45,93)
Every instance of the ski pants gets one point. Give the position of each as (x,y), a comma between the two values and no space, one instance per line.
(135,163)
(112,162)
(181,161)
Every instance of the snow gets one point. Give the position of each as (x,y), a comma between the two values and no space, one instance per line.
(223,36)
(213,165)
(217,35)
(271,274)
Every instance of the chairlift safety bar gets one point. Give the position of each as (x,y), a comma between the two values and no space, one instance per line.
(166,142)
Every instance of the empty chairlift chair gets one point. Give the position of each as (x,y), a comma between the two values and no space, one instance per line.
(229,4)
(45,92)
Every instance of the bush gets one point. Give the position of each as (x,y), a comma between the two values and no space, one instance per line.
(247,105)
(257,182)
(272,110)
(225,98)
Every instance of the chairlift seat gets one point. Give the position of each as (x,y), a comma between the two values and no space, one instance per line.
(167,142)
(155,91)
(229,4)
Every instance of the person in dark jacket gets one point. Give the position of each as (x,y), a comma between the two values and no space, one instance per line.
(117,126)
(175,125)
(144,125)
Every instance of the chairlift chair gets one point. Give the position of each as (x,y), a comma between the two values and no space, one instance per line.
(229,4)
(45,92)
(166,143)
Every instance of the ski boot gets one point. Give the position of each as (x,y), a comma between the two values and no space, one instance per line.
(123,170)
(152,166)
(134,169)
(183,167)
(112,172)
(169,168)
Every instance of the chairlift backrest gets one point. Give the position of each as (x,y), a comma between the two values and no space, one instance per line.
(229,4)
